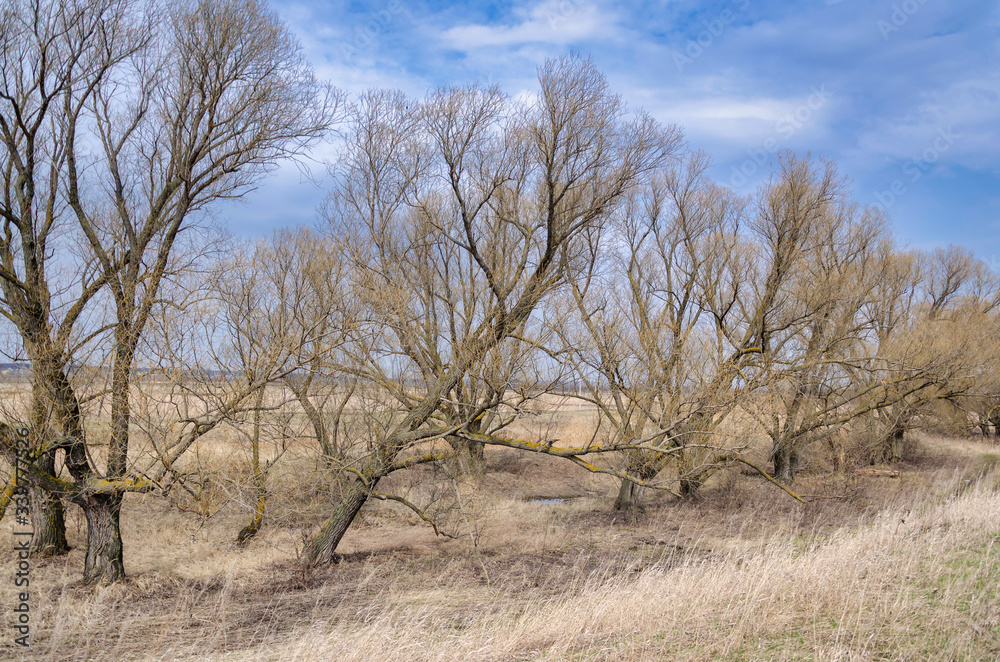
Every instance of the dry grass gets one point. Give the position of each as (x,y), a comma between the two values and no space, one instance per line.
(870,569)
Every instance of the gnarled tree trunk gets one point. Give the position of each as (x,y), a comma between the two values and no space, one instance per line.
(103,563)
(644,468)
(891,447)
(47,519)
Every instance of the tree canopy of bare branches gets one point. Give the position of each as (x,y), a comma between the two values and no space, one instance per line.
(122,122)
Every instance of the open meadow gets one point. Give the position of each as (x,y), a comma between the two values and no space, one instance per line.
(543,568)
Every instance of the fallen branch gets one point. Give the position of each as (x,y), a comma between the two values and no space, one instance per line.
(412,506)
(878,473)
(768,476)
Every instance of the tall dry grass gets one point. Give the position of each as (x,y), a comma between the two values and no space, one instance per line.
(913,575)
(920,582)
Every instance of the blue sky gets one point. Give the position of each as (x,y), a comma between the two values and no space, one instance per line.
(903,95)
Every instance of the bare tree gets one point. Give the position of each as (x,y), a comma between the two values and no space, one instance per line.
(638,333)
(177,109)
(819,367)
(462,215)
(325,312)
(948,330)
(286,318)
(862,353)
(54,53)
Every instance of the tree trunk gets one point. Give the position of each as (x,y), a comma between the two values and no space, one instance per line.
(785,460)
(691,474)
(995,421)
(251,529)
(471,454)
(259,478)
(889,447)
(104,563)
(689,486)
(323,546)
(121,412)
(472,461)
(628,496)
(896,444)
(477,451)
(837,454)
(47,520)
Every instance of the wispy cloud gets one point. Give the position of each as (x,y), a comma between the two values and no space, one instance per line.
(559,22)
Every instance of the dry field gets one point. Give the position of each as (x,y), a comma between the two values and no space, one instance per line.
(870,568)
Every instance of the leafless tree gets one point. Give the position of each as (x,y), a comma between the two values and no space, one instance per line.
(53,53)
(637,332)
(463,213)
(287,321)
(150,115)
(953,316)
(325,312)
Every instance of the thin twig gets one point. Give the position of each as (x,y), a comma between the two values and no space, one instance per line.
(468,526)
(412,506)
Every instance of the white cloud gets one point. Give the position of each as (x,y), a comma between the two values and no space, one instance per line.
(738,121)
(554,22)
